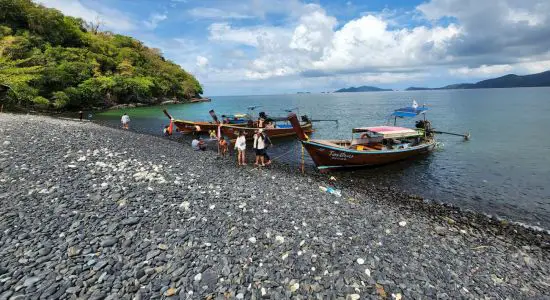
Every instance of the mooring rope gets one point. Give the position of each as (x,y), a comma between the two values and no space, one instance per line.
(282,154)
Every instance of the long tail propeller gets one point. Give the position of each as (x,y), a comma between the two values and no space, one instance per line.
(465,136)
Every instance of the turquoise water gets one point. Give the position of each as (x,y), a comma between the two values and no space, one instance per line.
(503,170)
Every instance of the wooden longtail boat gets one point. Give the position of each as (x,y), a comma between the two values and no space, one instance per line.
(198,100)
(376,146)
(185,126)
(280,130)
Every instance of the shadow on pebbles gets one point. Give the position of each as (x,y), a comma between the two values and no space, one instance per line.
(89,212)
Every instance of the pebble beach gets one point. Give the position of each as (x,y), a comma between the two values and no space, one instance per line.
(92,212)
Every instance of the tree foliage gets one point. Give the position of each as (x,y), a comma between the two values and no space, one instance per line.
(51,60)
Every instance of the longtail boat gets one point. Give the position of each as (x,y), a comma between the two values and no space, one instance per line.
(277,131)
(375,146)
(185,126)
(198,100)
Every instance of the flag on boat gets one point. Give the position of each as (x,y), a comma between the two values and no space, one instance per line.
(170,126)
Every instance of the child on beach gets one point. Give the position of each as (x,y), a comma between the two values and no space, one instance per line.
(222,144)
(240,145)
(213,135)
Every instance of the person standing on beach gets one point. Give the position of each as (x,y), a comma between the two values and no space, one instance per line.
(267,145)
(260,145)
(240,145)
(125,120)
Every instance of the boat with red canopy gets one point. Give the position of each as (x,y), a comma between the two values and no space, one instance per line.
(376,145)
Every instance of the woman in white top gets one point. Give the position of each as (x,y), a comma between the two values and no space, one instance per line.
(240,145)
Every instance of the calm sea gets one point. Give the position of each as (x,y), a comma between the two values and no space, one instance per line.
(504,170)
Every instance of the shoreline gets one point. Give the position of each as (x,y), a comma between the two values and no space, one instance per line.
(525,232)
(131,213)
(501,224)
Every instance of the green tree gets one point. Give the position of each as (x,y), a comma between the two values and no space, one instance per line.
(60,100)
(73,65)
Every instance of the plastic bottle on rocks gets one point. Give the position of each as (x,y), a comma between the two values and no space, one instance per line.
(330,190)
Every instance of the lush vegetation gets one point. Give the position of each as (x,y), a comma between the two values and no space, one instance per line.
(52,61)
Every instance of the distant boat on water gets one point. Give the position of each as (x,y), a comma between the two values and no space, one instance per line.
(198,100)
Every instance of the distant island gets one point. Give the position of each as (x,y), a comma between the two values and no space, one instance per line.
(363,88)
(506,81)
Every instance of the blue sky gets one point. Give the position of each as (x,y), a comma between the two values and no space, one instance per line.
(284,46)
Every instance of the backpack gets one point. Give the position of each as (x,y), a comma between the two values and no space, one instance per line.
(267,141)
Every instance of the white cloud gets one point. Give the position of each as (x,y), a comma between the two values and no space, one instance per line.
(314,30)
(482,71)
(215,13)
(462,39)
(378,48)
(202,61)
(251,36)
(502,30)
(154,20)
(362,45)
(534,66)
(368,43)
(112,19)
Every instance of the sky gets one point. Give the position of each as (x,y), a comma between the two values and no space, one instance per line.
(252,47)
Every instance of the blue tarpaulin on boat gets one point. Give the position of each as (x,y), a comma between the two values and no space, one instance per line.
(409,112)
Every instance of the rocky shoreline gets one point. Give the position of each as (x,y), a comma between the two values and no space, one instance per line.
(94,212)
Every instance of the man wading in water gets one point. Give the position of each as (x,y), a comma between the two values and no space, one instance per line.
(125,120)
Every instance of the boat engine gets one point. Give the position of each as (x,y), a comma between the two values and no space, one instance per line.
(426,125)
(305,119)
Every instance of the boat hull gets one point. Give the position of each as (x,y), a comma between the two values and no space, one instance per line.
(232,131)
(197,100)
(327,157)
(199,127)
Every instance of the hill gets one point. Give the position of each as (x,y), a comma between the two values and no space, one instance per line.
(506,81)
(52,61)
(363,88)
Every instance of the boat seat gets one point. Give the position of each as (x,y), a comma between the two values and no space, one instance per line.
(359,141)
(363,148)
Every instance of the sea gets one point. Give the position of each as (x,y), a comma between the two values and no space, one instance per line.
(503,170)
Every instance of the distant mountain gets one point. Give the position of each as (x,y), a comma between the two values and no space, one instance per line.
(363,88)
(506,81)
(414,88)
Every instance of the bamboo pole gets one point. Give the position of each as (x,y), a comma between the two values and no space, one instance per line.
(303,160)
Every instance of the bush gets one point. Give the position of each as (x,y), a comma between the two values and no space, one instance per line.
(60,100)
(41,101)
